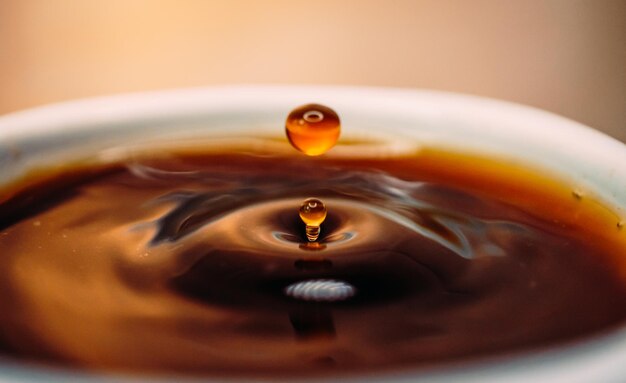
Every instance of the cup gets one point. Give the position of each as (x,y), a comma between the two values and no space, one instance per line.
(393,121)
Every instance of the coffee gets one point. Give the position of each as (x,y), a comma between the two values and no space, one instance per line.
(199,264)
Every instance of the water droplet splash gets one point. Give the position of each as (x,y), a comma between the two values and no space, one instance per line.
(321,290)
(313,213)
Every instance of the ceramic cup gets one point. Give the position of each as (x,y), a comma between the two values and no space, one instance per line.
(105,129)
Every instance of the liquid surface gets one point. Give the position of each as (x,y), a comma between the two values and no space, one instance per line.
(200,265)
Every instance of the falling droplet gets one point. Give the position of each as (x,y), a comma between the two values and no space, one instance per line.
(313,129)
(321,290)
(312,213)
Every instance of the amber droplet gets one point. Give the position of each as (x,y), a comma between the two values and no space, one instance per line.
(312,213)
(313,129)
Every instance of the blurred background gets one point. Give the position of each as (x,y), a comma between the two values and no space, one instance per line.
(565,56)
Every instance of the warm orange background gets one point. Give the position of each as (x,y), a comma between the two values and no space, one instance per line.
(566,56)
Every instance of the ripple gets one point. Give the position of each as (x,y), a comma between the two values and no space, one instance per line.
(333,238)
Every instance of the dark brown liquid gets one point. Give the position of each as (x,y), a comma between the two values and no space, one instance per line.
(179,265)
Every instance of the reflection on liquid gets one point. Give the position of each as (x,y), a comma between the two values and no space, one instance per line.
(201,267)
